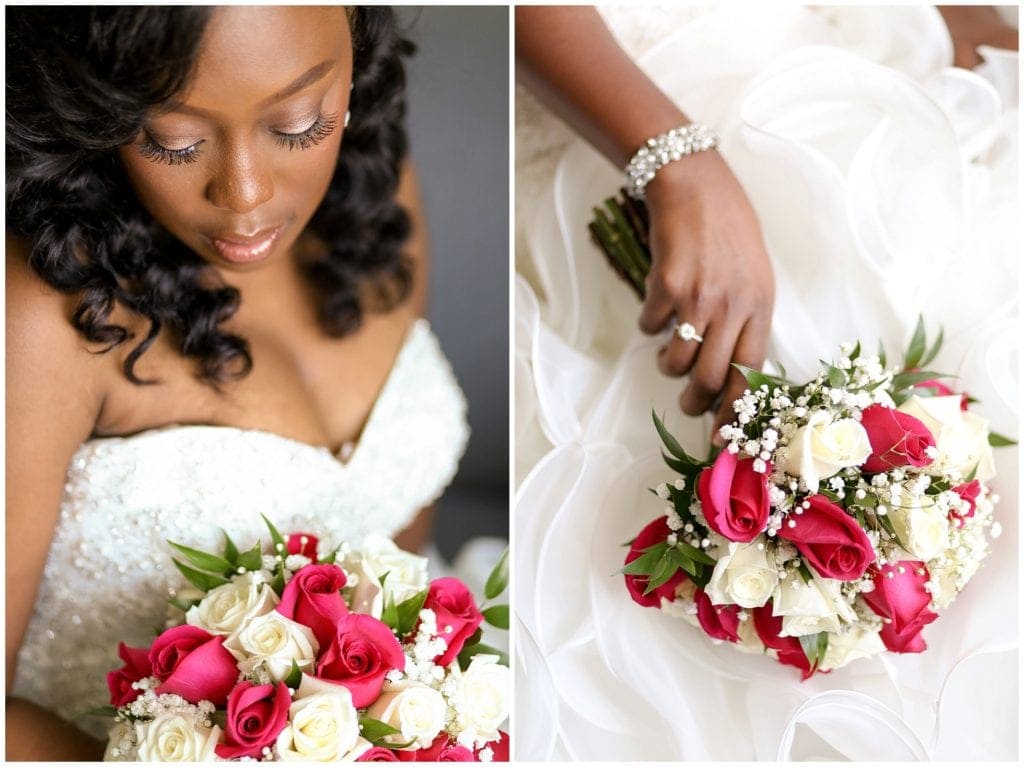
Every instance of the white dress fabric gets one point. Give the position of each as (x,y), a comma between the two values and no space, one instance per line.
(885,183)
(109,569)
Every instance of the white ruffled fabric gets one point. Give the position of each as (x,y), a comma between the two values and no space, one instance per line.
(885,182)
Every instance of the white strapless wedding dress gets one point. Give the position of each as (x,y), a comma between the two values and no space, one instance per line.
(885,182)
(109,568)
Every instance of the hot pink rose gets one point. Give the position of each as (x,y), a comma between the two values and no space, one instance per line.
(313,598)
(830,540)
(358,656)
(734,497)
(457,615)
(900,598)
(969,492)
(193,663)
(941,390)
(441,750)
(656,532)
(378,754)
(256,716)
(897,439)
(788,649)
(307,549)
(136,667)
(718,621)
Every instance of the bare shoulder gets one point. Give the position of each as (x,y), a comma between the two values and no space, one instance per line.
(42,344)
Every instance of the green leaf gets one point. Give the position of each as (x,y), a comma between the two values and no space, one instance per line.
(917,346)
(497,581)
(912,377)
(671,443)
(278,540)
(497,616)
(209,562)
(294,678)
(183,604)
(647,562)
(856,352)
(375,730)
(881,352)
(696,555)
(105,711)
(278,583)
(252,559)
(934,351)
(836,377)
(663,574)
(480,649)
(756,379)
(998,440)
(409,612)
(230,549)
(331,558)
(220,718)
(202,581)
(805,573)
(389,615)
(814,647)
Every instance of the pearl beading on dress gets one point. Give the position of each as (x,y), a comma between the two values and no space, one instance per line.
(109,572)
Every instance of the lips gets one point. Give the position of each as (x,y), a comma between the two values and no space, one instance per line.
(246,248)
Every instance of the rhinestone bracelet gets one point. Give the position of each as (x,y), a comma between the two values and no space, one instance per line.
(663,149)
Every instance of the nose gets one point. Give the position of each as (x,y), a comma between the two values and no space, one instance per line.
(241,182)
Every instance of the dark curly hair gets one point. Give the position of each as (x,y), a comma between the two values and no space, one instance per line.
(80,82)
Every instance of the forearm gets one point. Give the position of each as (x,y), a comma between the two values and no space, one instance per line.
(35,734)
(569,59)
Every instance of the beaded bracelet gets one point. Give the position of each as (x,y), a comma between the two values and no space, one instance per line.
(663,149)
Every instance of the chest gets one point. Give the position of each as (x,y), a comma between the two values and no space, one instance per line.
(303,385)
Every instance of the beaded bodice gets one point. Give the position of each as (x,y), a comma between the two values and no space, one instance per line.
(109,569)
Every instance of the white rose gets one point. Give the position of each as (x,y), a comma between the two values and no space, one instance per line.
(743,576)
(749,642)
(481,701)
(175,738)
(961,437)
(273,641)
(323,725)
(850,645)
(406,574)
(413,708)
(808,608)
(822,447)
(921,527)
(228,608)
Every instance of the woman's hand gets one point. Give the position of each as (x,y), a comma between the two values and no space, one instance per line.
(974,25)
(709,268)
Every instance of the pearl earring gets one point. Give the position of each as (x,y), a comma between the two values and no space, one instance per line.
(348,117)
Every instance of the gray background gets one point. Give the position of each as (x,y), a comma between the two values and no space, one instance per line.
(458,129)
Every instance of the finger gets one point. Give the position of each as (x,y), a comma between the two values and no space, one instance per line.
(750,352)
(708,377)
(676,358)
(658,307)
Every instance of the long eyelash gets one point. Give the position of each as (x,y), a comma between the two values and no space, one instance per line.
(321,128)
(156,153)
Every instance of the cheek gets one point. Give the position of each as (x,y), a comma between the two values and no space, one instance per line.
(165,192)
(304,176)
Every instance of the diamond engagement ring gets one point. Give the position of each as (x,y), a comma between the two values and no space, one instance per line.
(688,332)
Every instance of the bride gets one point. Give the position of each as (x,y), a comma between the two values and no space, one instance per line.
(216,268)
(860,180)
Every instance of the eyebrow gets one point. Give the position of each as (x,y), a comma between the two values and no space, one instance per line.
(307,78)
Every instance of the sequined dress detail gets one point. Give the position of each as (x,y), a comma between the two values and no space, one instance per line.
(109,569)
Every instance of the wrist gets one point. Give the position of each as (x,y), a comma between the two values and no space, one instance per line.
(683,179)
(663,151)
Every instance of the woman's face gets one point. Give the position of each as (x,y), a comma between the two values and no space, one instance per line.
(237,167)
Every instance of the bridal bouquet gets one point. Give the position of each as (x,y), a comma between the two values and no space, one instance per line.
(351,656)
(842,516)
